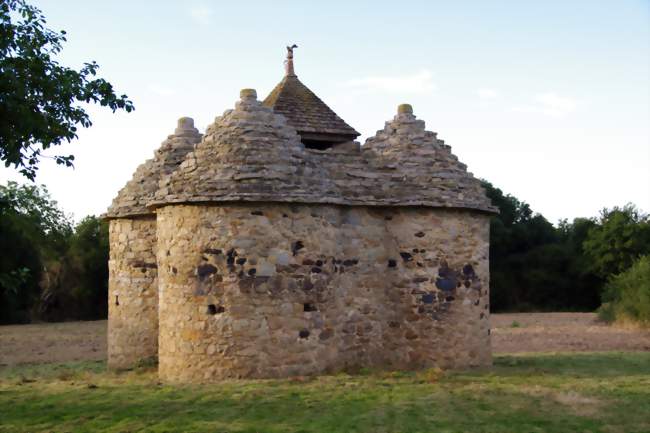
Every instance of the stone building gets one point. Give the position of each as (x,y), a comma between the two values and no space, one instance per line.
(275,245)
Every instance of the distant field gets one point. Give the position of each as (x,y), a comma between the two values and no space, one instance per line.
(562,332)
(511,333)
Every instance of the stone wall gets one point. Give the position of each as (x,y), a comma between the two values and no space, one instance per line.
(272,290)
(132,292)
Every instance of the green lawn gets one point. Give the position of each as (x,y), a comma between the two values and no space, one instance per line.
(589,392)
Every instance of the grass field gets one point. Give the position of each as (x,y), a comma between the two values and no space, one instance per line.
(570,392)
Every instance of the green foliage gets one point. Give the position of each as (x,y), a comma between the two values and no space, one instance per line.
(39,215)
(12,280)
(40,100)
(533,265)
(536,266)
(88,257)
(80,288)
(627,295)
(619,238)
(560,393)
(32,231)
(48,270)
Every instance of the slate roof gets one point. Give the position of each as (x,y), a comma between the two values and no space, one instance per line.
(305,111)
(251,153)
(131,200)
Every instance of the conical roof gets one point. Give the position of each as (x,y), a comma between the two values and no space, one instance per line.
(410,166)
(132,199)
(305,111)
(248,154)
(252,154)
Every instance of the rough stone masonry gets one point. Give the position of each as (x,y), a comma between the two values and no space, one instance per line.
(275,245)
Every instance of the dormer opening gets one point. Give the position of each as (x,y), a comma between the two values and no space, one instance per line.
(318,145)
(323,141)
(318,126)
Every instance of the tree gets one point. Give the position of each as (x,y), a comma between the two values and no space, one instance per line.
(535,266)
(621,236)
(40,100)
(48,271)
(33,231)
(517,259)
(88,254)
(586,287)
(81,287)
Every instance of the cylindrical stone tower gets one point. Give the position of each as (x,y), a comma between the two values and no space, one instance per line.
(133,283)
(275,259)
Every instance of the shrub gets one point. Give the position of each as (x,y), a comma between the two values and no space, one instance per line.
(627,295)
(619,238)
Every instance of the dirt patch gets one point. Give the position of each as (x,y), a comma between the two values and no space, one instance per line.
(535,332)
(562,332)
(53,342)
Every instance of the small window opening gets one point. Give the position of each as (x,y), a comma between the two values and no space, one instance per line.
(117,300)
(310,306)
(303,333)
(215,309)
(318,144)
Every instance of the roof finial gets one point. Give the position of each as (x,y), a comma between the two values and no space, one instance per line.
(404,109)
(289,62)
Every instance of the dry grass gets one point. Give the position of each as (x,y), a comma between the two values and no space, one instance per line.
(563,332)
(53,342)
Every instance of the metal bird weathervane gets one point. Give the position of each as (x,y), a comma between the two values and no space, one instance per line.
(289,62)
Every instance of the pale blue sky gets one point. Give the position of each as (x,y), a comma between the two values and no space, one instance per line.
(550,100)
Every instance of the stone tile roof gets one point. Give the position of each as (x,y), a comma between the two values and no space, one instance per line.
(132,199)
(305,111)
(252,153)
